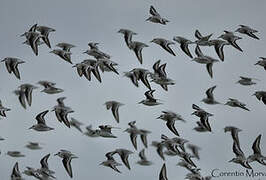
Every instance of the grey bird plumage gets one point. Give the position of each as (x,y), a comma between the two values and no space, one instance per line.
(114,106)
(12,65)
(165,44)
(156,17)
(67,157)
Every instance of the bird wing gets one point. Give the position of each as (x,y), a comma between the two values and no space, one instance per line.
(256,145)
(237,150)
(44,163)
(198,34)
(67,165)
(40,117)
(133,138)
(171,126)
(153,11)
(163,173)
(209,92)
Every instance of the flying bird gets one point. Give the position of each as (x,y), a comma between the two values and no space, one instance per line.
(246,81)
(203,59)
(262,62)
(124,154)
(33,146)
(219,47)
(65,55)
(12,65)
(150,100)
(243,29)
(165,44)
(202,40)
(41,124)
(27,89)
(49,87)
(114,106)
(156,17)
(111,162)
(33,39)
(184,44)
(235,103)
(67,157)
(75,123)
(257,156)
(261,96)
(210,99)
(137,48)
(127,35)
(16,154)
(45,31)
(194,149)
(231,39)
(240,157)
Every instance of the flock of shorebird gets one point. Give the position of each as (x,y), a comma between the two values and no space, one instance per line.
(171,146)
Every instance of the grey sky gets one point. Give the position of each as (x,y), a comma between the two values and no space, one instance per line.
(81,21)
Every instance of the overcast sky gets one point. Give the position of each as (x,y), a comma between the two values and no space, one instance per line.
(81,21)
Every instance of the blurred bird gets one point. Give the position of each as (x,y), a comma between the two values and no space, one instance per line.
(41,125)
(257,156)
(67,156)
(210,99)
(150,100)
(111,162)
(143,159)
(127,35)
(184,44)
(243,29)
(45,31)
(235,103)
(246,81)
(262,62)
(156,17)
(261,96)
(231,39)
(114,106)
(12,65)
(164,44)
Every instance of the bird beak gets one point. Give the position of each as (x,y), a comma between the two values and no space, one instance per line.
(30,127)
(256,63)
(51,52)
(84,52)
